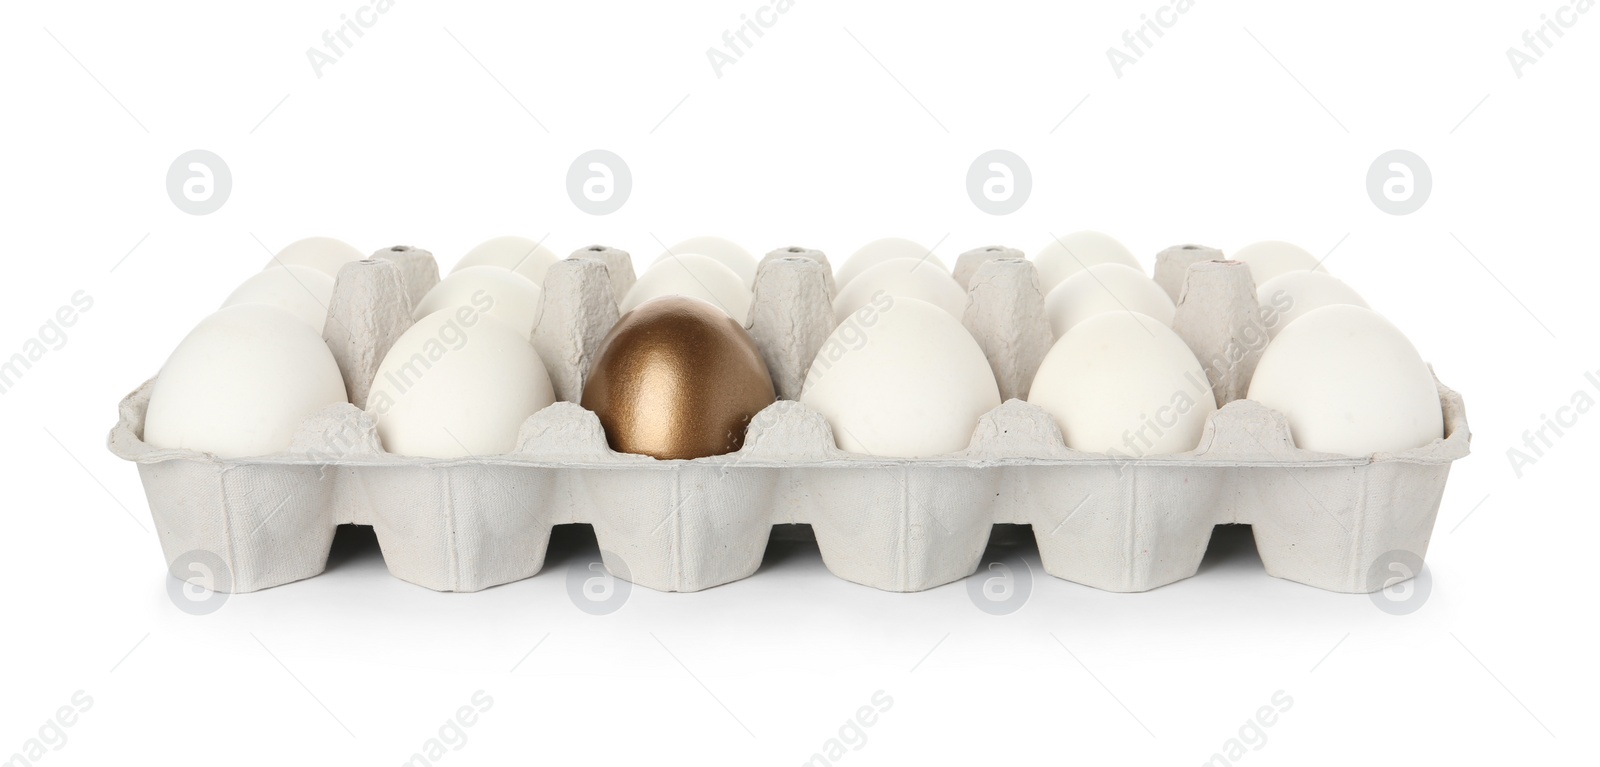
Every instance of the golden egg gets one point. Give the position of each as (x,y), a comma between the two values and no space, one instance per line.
(677,378)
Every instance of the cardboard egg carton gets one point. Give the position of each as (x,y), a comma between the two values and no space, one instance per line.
(1118,523)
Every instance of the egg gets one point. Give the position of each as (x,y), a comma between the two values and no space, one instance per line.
(901,378)
(324,254)
(299,290)
(1105,288)
(722,251)
(879,251)
(1124,383)
(1066,255)
(518,254)
(1292,294)
(459,382)
(1270,258)
(677,378)
(908,277)
(695,276)
(241,382)
(1349,382)
(506,295)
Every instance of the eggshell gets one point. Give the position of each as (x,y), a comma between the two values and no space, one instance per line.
(459,382)
(1124,383)
(695,276)
(241,382)
(901,378)
(1066,255)
(722,251)
(518,254)
(324,254)
(508,296)
(1105,288)
(908,277)
(677,379)
(879,251)
(1270,258)
(1349,382)
(299,290)
(1292,294)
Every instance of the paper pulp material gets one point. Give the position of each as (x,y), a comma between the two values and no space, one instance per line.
(1111,522)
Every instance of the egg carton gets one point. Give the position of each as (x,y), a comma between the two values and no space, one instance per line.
(1117,523)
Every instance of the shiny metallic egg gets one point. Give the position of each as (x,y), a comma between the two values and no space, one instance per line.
(677,378)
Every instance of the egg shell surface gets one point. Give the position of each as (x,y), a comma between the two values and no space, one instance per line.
(879,251)
(299,290)
(1065,256)
(1301,292)
(1269,258)
(508,296)
(1349,382)
(725,252)
(901,378)
(907,277)
(518,254)
(325,254)
(1124,383)
(241,382)
(1105,288)
(695,276)
(459,382)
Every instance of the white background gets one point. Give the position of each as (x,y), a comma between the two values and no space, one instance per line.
(428,132)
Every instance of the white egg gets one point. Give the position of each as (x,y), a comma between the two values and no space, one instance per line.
(299,290)
(901,378)
(695,276)
(241,382)
(519,254)
(908,277)
(1349,382)
(879,251)
(1291,295)
(725,252)
(324,254)
(505,294)
(1105,288)
(1124,383)
(457,383)
(1069,254)
(1270,258)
